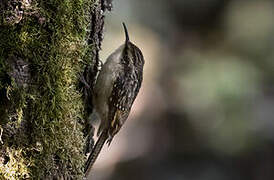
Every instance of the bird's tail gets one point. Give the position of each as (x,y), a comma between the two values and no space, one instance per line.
(95,152)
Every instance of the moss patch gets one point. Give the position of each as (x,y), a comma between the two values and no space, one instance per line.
(42,131)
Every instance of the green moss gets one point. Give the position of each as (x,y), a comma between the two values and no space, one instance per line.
(48,140)
(16,167)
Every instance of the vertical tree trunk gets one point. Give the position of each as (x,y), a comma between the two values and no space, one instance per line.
(44,48)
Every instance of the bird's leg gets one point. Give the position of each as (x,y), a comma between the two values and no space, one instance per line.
(83,81)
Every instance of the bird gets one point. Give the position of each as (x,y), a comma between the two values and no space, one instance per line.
(115,91)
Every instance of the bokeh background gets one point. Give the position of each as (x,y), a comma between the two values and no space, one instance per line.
(206,107)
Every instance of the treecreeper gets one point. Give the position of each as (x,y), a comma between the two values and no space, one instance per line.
(116,88)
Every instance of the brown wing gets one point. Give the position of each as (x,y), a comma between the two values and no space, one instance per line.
(124,92)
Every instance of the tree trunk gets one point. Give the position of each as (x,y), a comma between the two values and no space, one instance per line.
(45,46)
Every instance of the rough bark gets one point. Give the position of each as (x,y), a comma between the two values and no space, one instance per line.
(45,46)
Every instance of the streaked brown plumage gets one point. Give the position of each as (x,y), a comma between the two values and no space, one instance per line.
(116,88)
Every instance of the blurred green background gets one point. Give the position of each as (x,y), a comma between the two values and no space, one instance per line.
(206,107)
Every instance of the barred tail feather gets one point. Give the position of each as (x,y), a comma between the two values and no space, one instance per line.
(95,152)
